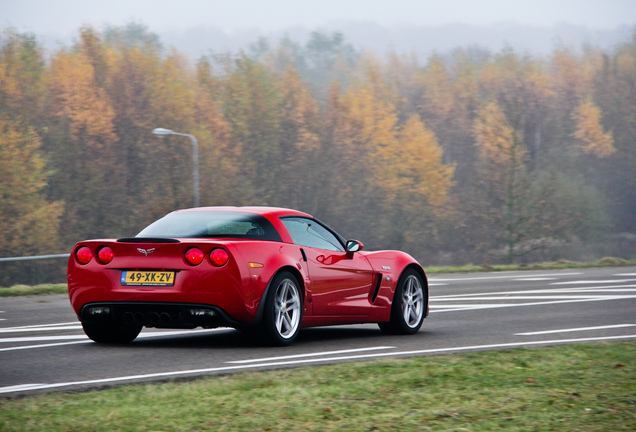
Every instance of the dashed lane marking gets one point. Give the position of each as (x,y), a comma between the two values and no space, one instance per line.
(576,329)
(509,276)
(591,282)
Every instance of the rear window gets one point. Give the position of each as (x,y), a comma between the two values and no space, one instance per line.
(210,224)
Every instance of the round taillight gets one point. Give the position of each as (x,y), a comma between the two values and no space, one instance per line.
(84,255)
(194,256)
(219,257)
(105,255)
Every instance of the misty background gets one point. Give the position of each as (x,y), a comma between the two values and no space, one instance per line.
(421,27)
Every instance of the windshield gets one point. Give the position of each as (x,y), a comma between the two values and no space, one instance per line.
(211,224)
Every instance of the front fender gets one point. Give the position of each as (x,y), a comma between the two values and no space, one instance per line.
(391,265)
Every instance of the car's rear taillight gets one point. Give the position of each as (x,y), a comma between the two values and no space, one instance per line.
(105,255)
(194,256)
(84,255)
(219,257)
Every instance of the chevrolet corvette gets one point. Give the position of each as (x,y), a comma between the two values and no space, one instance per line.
(268,270)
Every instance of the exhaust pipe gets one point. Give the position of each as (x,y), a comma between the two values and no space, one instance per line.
(138,318)
(154,318)
(129,318)
(165,318)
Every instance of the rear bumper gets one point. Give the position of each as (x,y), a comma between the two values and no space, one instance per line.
(159,315)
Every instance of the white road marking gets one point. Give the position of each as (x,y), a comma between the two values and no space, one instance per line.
(21,387)
(510,276)
(39,329)
(627,288)
(85,339)
(466,306)
(541,291)
(519,298)
(452,308)
(522,297)
(576,329)
(37,326)
(534,279)
(589,282)
(18,348)
(121,379)
(41,338)
(318,354)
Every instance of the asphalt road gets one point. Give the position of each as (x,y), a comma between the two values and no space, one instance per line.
(43,348)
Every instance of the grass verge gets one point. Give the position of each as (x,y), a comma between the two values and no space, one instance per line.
(26,290)
(588,387)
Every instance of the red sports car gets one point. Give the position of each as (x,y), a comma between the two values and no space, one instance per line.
(270,270)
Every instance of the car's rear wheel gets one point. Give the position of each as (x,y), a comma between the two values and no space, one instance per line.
(283,310)
(111,332)
(409,305)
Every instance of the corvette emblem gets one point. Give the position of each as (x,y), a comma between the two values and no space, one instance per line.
(146,251)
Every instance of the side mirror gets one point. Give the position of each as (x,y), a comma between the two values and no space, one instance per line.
(353,246)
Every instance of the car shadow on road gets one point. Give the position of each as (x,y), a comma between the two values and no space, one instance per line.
(232,339)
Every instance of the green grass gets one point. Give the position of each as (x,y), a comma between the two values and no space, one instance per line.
(565,388)
(26,290)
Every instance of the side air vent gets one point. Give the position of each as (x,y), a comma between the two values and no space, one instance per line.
(376,290)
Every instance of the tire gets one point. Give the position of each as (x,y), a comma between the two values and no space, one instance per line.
(111,333)
(283,311)
(410,302)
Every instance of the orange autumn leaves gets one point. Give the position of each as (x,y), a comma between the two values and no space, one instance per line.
(391,150)
(406,157)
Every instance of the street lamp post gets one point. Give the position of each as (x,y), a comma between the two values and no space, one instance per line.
(195,157)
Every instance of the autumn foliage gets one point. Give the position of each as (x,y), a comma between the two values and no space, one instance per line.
(472,156)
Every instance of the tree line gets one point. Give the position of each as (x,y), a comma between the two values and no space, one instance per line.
(469,156)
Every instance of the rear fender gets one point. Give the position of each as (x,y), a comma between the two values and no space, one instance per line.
(299,277)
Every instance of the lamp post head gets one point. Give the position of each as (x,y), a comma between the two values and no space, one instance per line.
(162,132)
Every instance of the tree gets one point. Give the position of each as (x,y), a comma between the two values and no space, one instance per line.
(250,102)
(615,95)
(81,141)
(21,78)
(28,222)
(394,167)
(299,142)
(219,159)
(589,133)
(172,105)
(514,202)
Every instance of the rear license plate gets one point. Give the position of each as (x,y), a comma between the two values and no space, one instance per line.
(147,278)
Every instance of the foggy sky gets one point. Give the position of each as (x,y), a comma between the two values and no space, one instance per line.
(63,17)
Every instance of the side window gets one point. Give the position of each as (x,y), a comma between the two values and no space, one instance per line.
(307,232)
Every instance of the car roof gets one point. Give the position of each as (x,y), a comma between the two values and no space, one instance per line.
(263,211)
(273,214)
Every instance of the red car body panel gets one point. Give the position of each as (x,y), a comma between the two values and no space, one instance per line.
(338,287)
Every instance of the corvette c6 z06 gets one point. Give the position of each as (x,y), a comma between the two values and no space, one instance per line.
(270,270)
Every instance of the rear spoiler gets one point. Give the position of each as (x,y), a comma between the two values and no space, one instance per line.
(147,240)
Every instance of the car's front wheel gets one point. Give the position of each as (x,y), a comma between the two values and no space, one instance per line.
(410,302)
(283,310)
(111,332)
